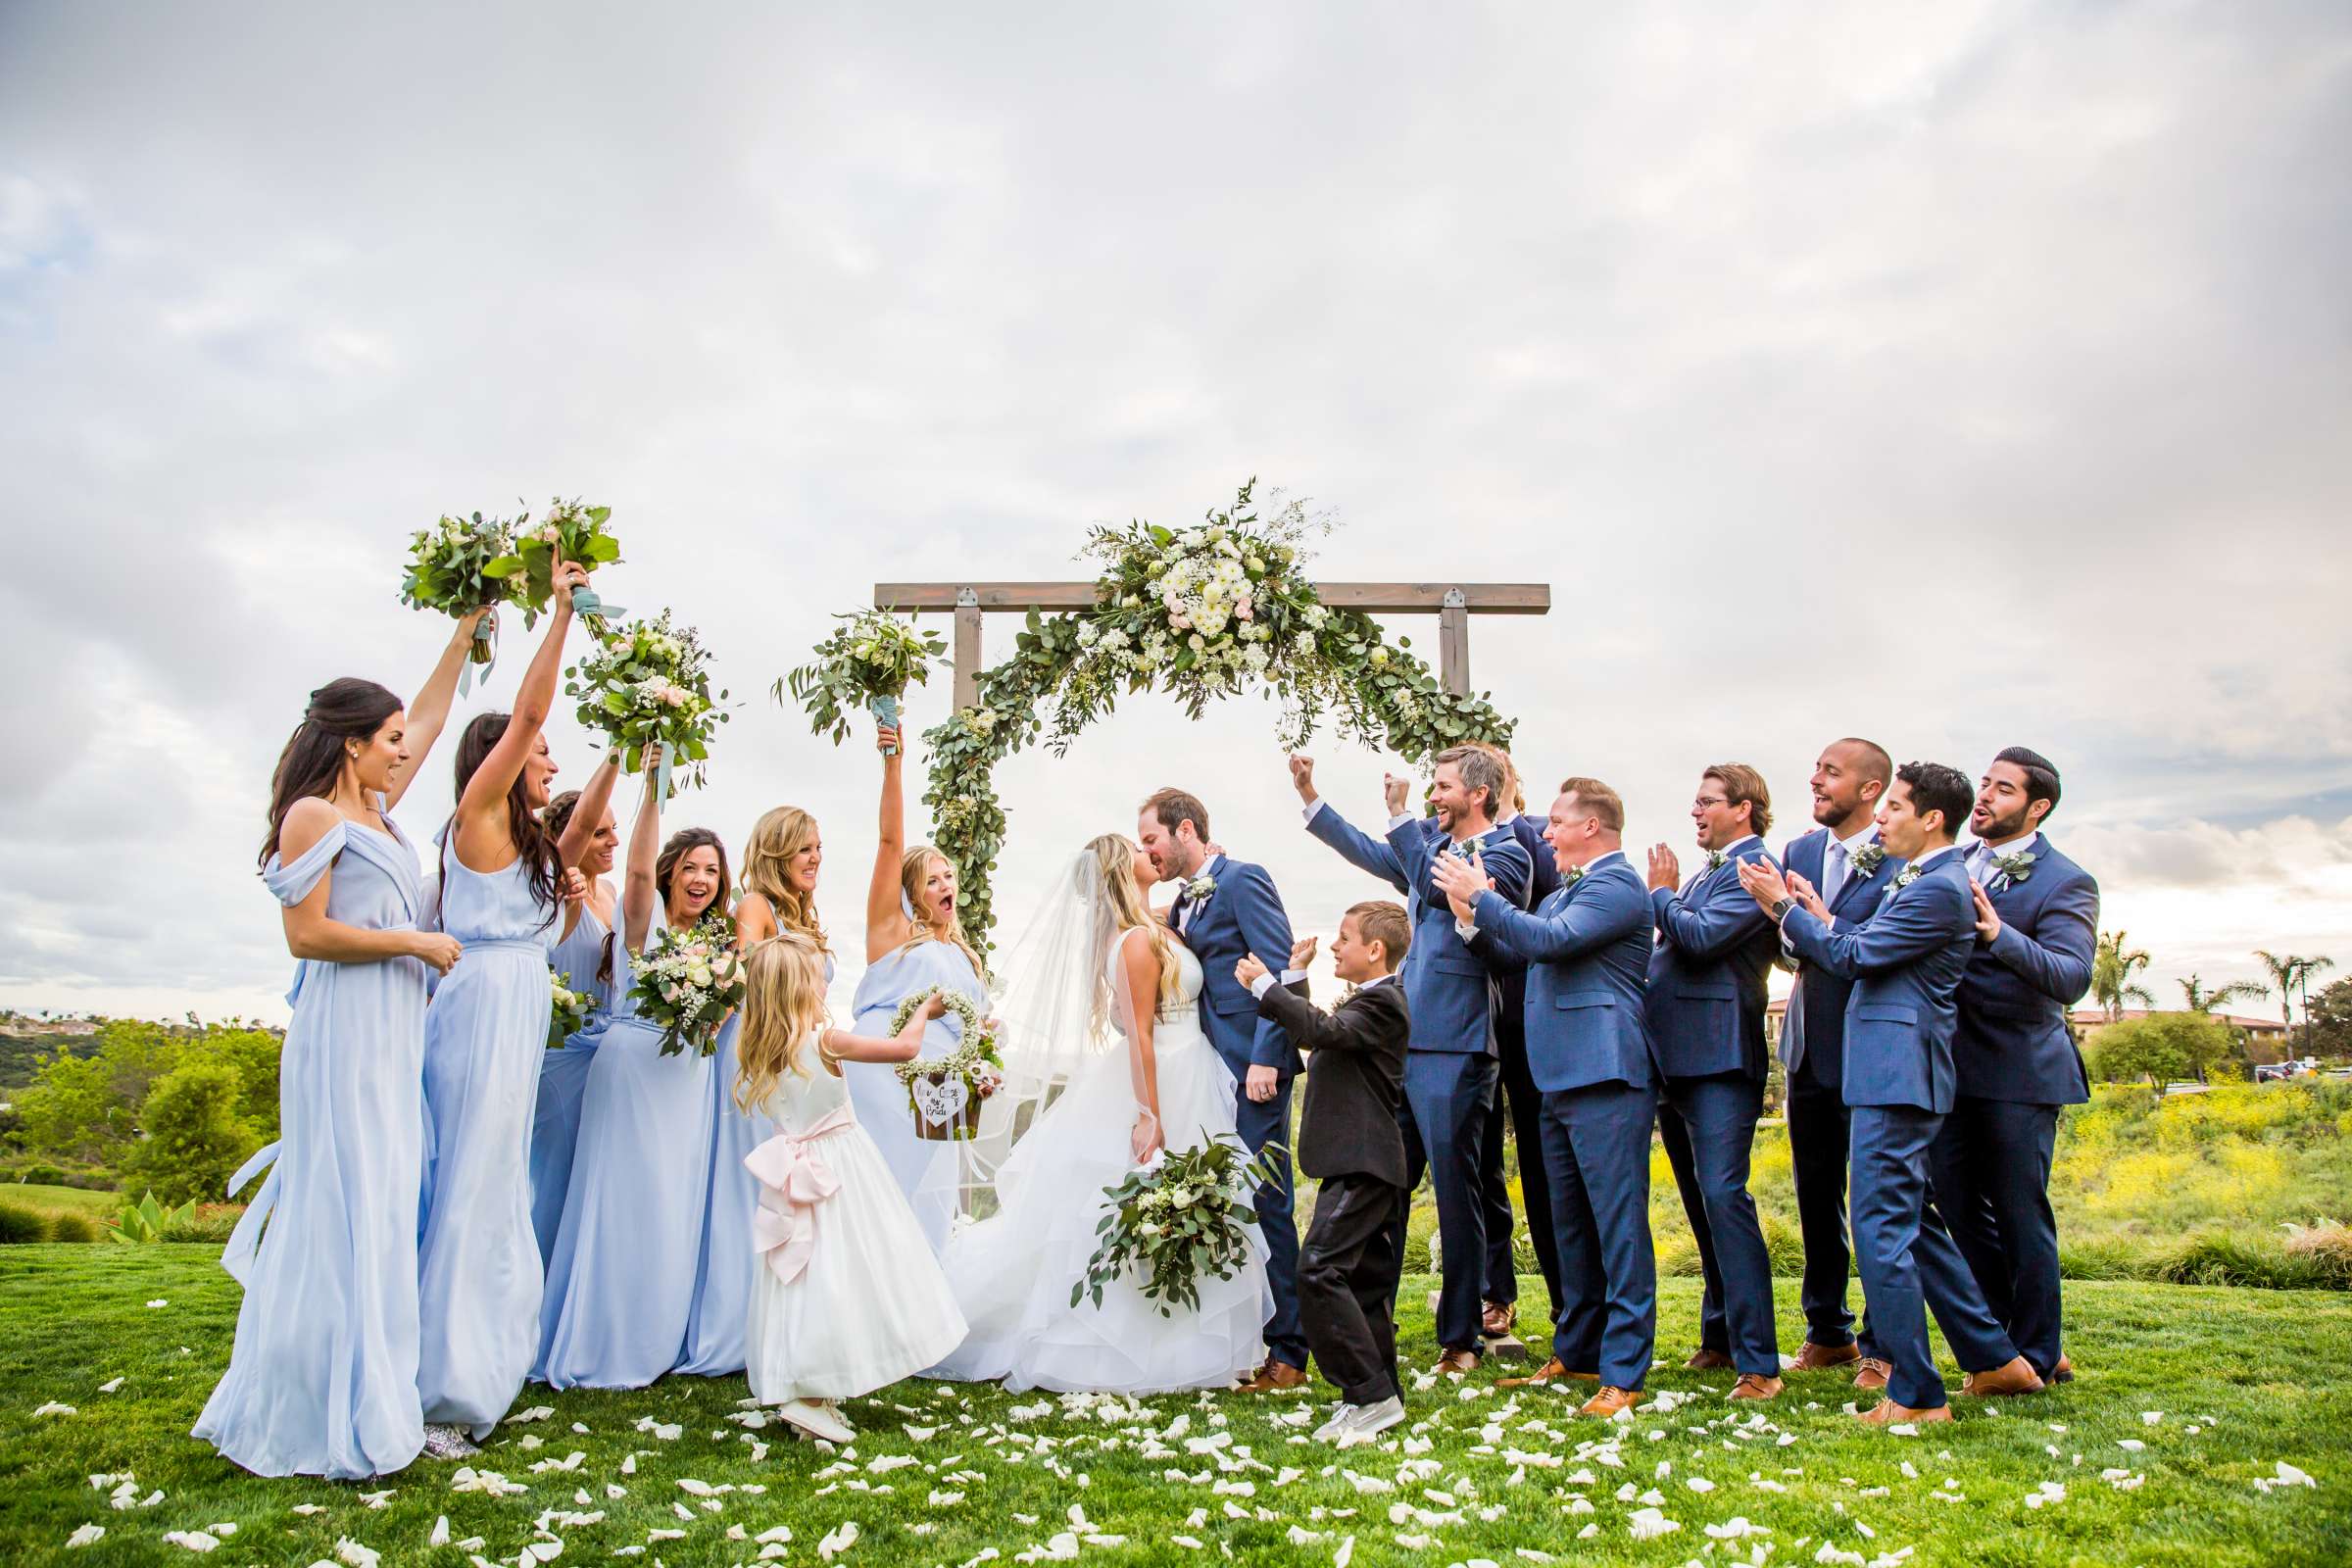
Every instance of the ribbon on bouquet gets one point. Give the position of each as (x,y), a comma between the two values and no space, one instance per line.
(793,1179)
(885,710)
(588,604)
(485,635)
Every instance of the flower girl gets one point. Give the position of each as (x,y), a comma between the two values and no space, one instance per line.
(848,1299)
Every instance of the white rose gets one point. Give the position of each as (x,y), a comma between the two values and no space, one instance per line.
(1197,642)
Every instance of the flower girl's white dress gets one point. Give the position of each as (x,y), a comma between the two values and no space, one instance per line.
(1013,1272)
(849,1297)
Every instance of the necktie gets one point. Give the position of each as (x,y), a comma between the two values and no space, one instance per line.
(1833,873)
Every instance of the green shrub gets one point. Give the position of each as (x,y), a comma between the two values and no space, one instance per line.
(2107,1258)
(2224,1259)
(208,1222)
(195,1141)
(19,1226)
(43,1176)
(146,1221)
(2328,1246)
(69,1226)
(2164,1046)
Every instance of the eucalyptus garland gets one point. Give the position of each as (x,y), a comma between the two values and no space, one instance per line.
(967,1075)
(978,1044)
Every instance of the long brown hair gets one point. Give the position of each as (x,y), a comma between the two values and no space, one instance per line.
(784,1003)
(780,834)
(913,872)
(533,845)
(341,711)
(665,868)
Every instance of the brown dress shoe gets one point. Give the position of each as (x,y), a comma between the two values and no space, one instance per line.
(1457,1361)
(1549,1372)
(1608,1402)
(1872,1372)
(2015,1376)
(1498,1318)
(1820,1357)
(1886,1412)
(2062,1372)
(1274,1375)
(1708,1362)
(1755,1386)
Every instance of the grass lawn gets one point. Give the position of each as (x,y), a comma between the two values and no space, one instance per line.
(62,1199)
(943,1474)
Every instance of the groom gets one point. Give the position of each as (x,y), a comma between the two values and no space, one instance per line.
(1226,908)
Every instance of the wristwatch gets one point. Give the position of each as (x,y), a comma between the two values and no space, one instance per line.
(1779,909)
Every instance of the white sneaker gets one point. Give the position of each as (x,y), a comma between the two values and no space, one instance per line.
(1341,1416)
(443,1442)
(814,1420)
(1371,1420)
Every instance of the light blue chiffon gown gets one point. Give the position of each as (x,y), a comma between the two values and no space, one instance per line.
(563,1078)
(723,1280)
(620,1280)
(480,1274)
(926,1170)
(323,1380)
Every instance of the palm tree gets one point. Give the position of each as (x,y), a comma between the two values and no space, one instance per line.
(2111,971)
(2203,1000)
(2288,972)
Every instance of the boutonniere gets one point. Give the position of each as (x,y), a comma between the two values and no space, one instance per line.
(1907,876)
(2016,868)
(1572,876)
(1716,859)
(1866,861)
(1200,887)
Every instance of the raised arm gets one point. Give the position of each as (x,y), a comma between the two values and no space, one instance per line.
(639,887)
(2056,958)
(589,813)
(482,811)
(887,928)
(428,714)
(312,934)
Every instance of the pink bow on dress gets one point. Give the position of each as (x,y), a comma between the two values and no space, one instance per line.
(793,1179)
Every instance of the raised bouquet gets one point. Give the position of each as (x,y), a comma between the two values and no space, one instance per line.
(868,662)
(569,531)
(945,1092)
(687,981)
(1182,1218)
(650,683)
(456,568)
(569,1013)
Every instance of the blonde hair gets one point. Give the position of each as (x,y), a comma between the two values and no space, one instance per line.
(913,872)
(784,1004)
(1115,863)
(778,836)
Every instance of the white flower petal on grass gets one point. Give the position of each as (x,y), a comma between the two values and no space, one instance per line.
(1647,1524)
(356,1554)
(110,1385)
(156,1305)
(838,1540)
(86,1536)
(1588,1533)
(1839,1559)
(378,1499)
(306,1509)
(55,1408)
(2152,1418)
(191,1540)
(2047,1493)
(1698,1484)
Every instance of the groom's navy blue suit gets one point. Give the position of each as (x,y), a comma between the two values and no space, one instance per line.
(1449,1063)
(1245,914)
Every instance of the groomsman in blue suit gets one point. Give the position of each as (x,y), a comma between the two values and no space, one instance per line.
(2037,923)
(1587,948)
(1843,859)
(1905,963)
(1449,1064)
(1705,1004)
(1226,908)
(1518,1103)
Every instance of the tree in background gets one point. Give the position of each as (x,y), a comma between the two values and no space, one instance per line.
(2112,967)
(71,1110)
(2203,1000)
(2329,1019)
(2286,973)
(93,1109)
(2163,1046)
(195,1140)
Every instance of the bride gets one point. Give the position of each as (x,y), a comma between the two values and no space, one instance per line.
(1109,1083)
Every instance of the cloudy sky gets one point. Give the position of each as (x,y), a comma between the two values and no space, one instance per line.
(1959,375)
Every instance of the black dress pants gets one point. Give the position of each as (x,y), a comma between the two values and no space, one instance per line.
(1347,1273)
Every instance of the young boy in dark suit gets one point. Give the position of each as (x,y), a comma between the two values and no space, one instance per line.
(1350,1141)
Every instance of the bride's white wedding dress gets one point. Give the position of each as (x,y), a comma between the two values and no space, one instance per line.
(1013,1272)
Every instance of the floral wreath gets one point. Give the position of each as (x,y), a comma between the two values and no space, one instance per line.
(977,1049)
(1201,612)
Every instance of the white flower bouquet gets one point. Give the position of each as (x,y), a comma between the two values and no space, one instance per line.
(650,683)
(569,1013)
(1180,1219)
(868,661)
(459,565)
(688,980)
(569,531)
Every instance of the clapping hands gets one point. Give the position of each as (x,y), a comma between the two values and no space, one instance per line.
(1461,881)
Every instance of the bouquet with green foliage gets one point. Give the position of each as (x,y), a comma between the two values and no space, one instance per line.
(868,662)
(688,981)
(568,1011)
(1178,1219)
(456,568)
(650,683)
(569,531)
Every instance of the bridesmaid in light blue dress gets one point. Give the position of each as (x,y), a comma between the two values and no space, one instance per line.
(323,1380)
(586,958)
(914,944)
(620,1280)
(780,866)
(503,887)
